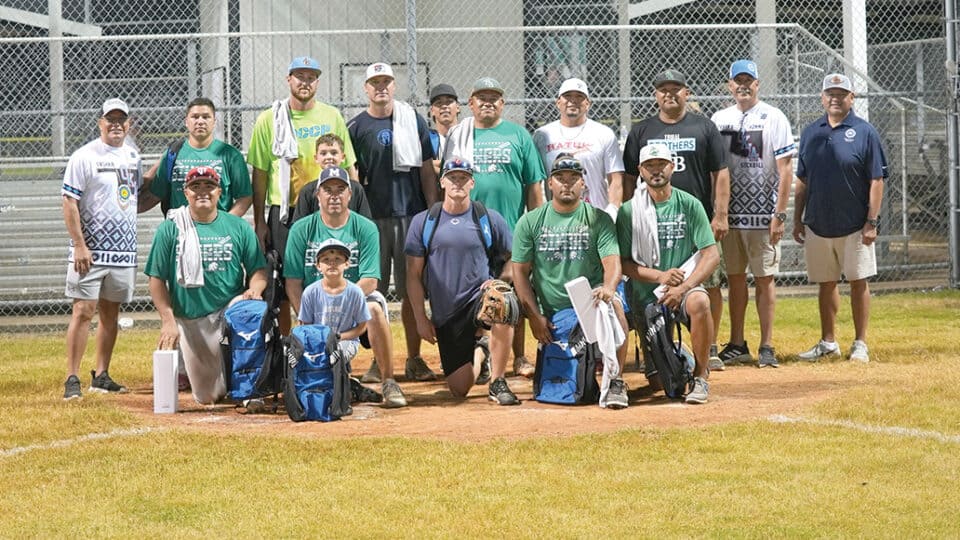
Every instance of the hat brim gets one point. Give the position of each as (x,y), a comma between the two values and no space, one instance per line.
(339,249)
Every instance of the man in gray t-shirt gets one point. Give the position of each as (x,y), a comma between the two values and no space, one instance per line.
(448,258)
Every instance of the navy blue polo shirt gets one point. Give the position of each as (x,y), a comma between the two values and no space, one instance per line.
(837,165)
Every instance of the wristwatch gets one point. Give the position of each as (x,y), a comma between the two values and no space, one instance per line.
(781,216)
(874,221)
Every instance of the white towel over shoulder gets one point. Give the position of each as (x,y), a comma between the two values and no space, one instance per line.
(407,152)
(189,261)
(460,141)
(645,243)
(286,150)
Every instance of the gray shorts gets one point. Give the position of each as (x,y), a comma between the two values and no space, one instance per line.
(393,236)
(112,283)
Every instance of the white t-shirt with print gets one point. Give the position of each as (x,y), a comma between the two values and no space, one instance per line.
(593,143)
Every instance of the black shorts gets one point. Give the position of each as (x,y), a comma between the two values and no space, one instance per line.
(457,339)
(278,241)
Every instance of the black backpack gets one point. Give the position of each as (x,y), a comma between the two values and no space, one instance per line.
(671,365)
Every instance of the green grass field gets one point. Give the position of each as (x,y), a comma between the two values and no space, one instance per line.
(878,460)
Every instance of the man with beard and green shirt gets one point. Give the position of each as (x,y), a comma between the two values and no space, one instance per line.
(560,241)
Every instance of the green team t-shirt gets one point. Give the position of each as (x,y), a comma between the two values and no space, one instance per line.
(683,229)
(504,160)
(308,126)
(230,253)
(228,162)
(359,234)
(563,247)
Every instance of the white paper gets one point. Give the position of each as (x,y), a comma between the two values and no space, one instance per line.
(165,388)
(687,267)
(581,296)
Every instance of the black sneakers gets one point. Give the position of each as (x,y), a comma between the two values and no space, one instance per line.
(104,384)
(71,388)
(500,392)
(361,394)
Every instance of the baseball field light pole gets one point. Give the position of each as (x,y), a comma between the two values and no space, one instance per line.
(950,12)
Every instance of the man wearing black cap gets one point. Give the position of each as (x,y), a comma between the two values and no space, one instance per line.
(445,113)
(281,154)
(198,265)
(100,189)
(700,165)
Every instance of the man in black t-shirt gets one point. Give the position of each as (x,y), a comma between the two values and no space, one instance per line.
(700,166)
(397,187)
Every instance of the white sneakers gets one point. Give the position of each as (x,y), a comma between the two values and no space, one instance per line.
(858,351)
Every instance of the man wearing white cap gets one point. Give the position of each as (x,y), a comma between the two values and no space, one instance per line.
(281,153)
(837,212)
(760,158)
(593,143)
(658,231)
(100,188)
(395,167)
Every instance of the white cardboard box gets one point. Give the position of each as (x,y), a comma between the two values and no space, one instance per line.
(165,387)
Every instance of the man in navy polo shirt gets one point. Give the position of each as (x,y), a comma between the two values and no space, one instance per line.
(836,211)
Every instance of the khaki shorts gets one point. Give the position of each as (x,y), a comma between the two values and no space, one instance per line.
(203,357)
(828,258)
(750,248)
(716,278)
(112,283)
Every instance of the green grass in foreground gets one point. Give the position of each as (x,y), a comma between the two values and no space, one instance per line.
(750,479)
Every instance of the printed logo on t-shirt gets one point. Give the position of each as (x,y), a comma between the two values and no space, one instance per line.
(488,157)
(312,132)
(677,144)
(216,252)
(671,229)
(385,137)
(849,135)
(564,243)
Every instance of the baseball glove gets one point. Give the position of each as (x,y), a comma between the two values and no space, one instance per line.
(498,304)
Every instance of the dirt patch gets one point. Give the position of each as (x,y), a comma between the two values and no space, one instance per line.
(737,394)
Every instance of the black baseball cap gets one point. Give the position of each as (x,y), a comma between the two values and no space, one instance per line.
(442,90)
(669,76)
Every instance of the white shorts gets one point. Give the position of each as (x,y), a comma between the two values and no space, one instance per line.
(828,258)
(112,283)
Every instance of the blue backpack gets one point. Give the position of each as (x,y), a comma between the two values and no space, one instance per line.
(566,367)
(317,380)
(252,351)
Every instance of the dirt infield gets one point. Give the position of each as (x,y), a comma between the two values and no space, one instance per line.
(737,394)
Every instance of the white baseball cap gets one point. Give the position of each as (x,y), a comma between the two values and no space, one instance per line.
(115,104)
(573,85)
(655,151)
(837,80)
(379,69)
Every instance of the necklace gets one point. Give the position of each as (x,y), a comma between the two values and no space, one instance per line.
(579,131)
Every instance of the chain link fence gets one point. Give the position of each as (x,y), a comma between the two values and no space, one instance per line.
(158,56)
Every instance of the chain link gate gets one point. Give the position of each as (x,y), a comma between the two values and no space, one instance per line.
(158,56)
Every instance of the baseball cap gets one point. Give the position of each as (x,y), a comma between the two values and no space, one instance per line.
(304,62)
(202,173)
(379,69)
(457,164)
(744,66)
(334,244)
(487,83)
(837,80)
(655,151)
(115,104)
(333,173)
(442,90)
(669,76)
(566,162)
(573,85)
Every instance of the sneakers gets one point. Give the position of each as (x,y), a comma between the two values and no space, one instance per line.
(71,388)
(500,392)
(105,385)
(716,364)
(700,391)
(255,406)
(766,357)
(617,395)
(733,354)
(393,397)
(858,352)
(373,374)
(361,394)
(523,368)
(417,370)
(821,349)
